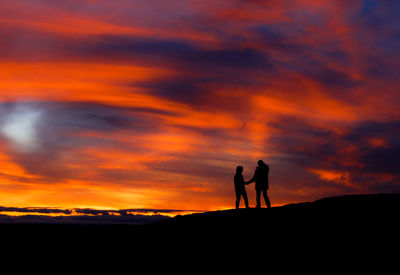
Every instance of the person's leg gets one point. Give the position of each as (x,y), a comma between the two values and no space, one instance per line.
(258,198)
(266,198)
(237,199)
(246,200)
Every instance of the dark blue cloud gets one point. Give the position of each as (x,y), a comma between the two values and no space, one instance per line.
(35,210)
(380,70)
(21,44)
(188,90)
(329,77)
(280,37)
(382,160)
(176,52)
(86,215)
(379,26)
(366,163)
(363,131)
(84,219)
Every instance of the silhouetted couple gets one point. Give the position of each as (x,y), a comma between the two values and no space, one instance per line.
(260,178)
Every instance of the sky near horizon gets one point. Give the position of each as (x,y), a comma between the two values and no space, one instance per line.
(153,104)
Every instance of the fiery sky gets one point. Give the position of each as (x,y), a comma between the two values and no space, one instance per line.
(152,104)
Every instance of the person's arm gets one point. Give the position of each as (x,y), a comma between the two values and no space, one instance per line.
(253,179)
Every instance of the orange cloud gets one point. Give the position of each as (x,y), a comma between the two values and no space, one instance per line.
(333,176)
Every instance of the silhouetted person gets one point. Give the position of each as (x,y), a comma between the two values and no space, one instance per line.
(262,183)
(239,187)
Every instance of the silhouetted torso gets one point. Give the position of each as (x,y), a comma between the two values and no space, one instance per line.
(261,177)
(239,182)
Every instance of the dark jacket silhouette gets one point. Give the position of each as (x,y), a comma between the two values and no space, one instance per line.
(262,182)
(240,189)
(261,177)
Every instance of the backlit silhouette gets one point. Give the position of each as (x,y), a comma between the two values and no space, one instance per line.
(240,188)
(262,184)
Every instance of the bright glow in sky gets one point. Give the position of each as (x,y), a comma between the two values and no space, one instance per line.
(20,126)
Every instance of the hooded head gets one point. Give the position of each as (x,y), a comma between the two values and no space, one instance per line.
(239,169)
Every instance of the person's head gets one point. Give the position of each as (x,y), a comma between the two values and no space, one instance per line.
(261,163)
(239,169)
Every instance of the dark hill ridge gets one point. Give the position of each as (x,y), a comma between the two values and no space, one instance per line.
(358,219)
(335,231)
(350,208)
(346,228)
(352,217)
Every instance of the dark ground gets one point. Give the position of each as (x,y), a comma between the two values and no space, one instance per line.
(347,227)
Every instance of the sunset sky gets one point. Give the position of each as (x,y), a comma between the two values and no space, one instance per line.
(153,104)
